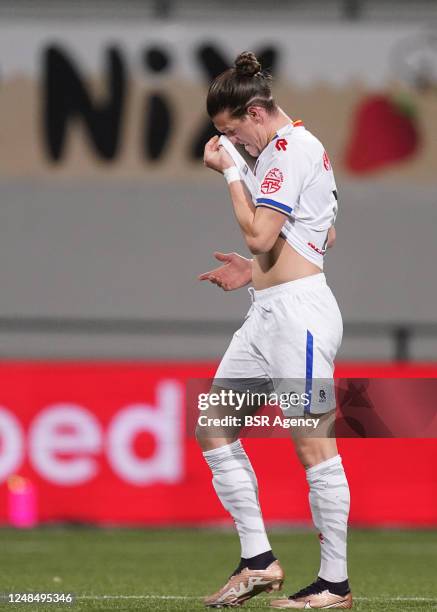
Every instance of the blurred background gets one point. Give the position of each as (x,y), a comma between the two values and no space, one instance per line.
(107,217)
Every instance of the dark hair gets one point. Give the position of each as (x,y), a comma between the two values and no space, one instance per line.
(234,88)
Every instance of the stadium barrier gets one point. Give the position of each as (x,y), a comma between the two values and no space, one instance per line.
(106,443)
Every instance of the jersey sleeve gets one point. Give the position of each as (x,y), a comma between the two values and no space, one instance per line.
(283,181)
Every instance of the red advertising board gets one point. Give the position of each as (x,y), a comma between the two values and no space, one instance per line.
(106,443)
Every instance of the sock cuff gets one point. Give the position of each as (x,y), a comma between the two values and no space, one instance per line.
(323,466)
(224,451)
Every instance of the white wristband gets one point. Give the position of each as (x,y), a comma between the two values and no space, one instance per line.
(231,174)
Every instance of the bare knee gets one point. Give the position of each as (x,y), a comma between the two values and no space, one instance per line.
(209,442)
(312,451)
(210,435)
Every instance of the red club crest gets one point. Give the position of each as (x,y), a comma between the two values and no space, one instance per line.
(272,181)
(281,144)
(326,161)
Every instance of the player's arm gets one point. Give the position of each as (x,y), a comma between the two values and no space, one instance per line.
(278,194)
(332,237)
(260,227)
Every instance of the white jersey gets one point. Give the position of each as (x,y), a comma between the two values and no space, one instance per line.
(291,334)
(294,176)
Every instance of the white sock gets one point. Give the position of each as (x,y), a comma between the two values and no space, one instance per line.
(236,486)
(329,500)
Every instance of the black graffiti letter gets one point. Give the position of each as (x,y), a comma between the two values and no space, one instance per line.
(67,99)
(157,118)
(214,64)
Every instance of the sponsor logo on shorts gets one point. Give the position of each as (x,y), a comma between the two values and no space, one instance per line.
(326,161)
(322,396)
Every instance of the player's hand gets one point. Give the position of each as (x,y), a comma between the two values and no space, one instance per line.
(235,272)
(215,156)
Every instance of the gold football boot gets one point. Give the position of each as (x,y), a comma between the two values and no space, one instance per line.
(247,584)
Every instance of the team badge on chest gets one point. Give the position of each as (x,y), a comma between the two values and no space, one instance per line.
(272,181)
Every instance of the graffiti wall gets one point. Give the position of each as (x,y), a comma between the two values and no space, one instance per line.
(128,101)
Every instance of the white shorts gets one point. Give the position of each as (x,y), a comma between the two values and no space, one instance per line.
(289,338)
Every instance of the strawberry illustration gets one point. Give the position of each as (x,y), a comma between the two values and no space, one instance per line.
(385,132)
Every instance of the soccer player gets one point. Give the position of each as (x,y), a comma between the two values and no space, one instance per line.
(293,329)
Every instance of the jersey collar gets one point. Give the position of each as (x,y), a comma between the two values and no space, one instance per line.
(288,127)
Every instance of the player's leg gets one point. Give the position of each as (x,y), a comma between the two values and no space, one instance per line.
(236,485)
(234,479)
(309,315)
(329,501)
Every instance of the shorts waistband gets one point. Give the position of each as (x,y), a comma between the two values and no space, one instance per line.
(290,288)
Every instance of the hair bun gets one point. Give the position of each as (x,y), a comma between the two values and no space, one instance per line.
(247,65)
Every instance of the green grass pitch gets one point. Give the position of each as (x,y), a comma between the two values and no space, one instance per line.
(170,570)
